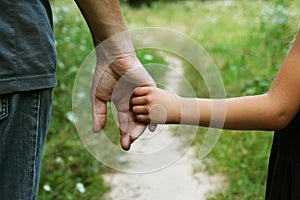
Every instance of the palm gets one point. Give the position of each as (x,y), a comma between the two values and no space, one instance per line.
(116,83)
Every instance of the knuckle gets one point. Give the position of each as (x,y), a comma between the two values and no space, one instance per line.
(148,98)
(134,109)
(148,109)
(151,89)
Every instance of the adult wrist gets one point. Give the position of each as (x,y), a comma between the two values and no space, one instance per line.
(118,46)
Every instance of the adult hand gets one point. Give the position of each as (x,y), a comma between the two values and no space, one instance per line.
(115,59)
(114,80)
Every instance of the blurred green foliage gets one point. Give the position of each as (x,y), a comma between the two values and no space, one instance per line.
(247,40)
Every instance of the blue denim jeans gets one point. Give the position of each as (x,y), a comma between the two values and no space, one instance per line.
(24,119)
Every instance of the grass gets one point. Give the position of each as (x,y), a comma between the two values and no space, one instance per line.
(248,41)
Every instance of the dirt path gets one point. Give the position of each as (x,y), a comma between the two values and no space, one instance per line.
(175,182)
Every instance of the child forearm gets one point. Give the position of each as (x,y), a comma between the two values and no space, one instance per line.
(259,112)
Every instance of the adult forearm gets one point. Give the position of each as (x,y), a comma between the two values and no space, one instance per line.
(103,17)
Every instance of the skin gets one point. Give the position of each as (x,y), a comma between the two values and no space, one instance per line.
(115,59)
(271,111)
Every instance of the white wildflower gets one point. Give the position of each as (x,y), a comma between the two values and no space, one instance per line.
(59,159)
(47,188)
(80,187)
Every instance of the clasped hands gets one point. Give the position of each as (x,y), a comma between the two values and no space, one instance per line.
(114,80)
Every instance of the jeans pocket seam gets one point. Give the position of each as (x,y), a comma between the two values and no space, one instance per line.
(4,107)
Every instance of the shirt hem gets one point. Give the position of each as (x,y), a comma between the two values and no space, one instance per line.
(29,83)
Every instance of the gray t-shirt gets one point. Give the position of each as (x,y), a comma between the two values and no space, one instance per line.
(27,49)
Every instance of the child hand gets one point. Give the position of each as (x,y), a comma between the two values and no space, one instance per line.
(155,106)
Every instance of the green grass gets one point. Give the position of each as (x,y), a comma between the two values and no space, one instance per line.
(248,41)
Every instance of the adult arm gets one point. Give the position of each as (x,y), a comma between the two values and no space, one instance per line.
(115,58)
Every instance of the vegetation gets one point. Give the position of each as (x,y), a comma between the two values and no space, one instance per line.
(248,41)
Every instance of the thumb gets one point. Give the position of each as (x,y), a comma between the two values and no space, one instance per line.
(99,114)
(152,127)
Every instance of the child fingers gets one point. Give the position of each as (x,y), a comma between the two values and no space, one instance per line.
(140,110)
(141,91)
(138,101)
(144,118)
(152,127)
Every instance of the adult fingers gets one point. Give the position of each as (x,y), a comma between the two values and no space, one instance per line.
(137,131)
(99,114)
(135,128)
(125,140)
(123,125)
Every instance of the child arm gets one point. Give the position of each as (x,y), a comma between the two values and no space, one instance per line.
(270,111)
